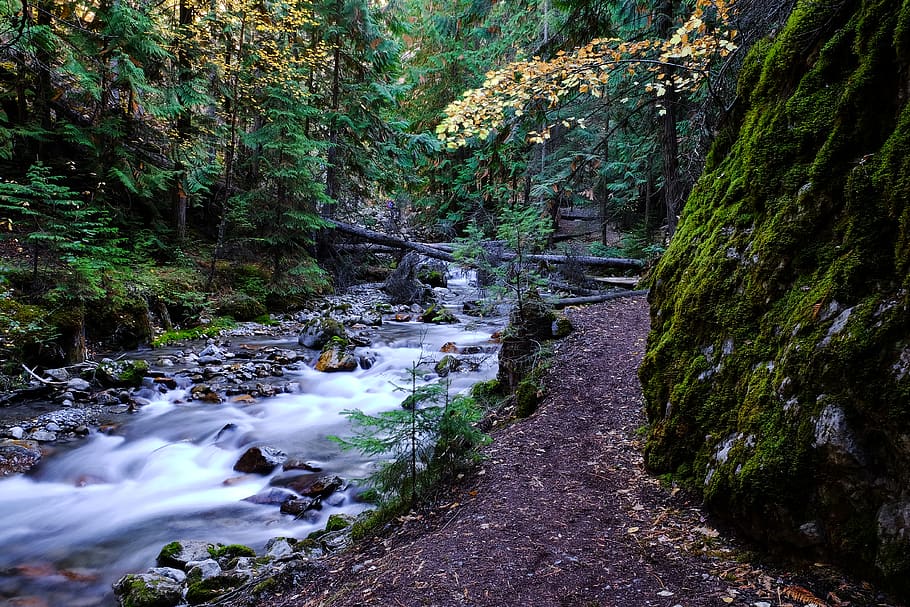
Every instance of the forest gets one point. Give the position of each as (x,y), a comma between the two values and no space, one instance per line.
(170,170)
(184,162)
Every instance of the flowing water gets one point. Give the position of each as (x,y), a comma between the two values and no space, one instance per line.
(105,505)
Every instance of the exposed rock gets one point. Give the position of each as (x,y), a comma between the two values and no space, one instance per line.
(57,374)
(180,552)
(786,281)
(447,364)
(404,286)
(78,385)
(160,587)
(319,331)
(18,456)
(438,315)
(122,372)
(260,460)
(299,506)
(336,358)
(272,496)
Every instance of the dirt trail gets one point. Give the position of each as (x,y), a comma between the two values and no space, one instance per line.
(563,513)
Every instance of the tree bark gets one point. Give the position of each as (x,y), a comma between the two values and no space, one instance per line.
(574,301)
(437,253)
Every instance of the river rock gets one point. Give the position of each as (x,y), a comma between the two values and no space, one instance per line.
(366,361)
(278,547)
(318,486)
(180,552)
(319,331)
(260,460)
(299,506)
(438,315)
(273,496)
(57,374)
(336,358)
(121,372)
(18,456)
(203,570)
(447,364)
(78,384)
(43,436)
(159,587)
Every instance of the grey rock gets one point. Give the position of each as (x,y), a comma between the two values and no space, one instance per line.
(18,456)
(149,589)
(260,460)
(177,554)
(204,570)
(57,374)
(43,436)
(78,385)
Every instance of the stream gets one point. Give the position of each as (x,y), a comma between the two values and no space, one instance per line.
(105,505)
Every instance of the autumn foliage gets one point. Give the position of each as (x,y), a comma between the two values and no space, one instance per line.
(680,63)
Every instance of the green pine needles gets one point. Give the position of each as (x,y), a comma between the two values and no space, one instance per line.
(430,440)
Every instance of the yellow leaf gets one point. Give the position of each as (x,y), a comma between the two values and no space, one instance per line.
(632,530)
(727,599)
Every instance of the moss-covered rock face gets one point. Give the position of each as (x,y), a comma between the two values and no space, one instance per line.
(777,376)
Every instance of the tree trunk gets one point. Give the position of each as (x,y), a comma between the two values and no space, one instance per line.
(669,140)
(436,253)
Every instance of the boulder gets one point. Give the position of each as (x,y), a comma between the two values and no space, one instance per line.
(336,358)
(178,553)
(447,364)
(403,286)
(17,456)
(319,331)
(121,372)
(438,315)
(159,587)
(260,460)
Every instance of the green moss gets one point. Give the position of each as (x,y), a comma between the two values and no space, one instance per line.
(784,290)
(527,398)
(168,554)
(266,586)
(241,307)
(212,329)
(231,551)
(337,522)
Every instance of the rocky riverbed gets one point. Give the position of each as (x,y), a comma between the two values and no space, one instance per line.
(353,348)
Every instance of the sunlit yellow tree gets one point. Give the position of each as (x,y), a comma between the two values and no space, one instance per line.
(680,64)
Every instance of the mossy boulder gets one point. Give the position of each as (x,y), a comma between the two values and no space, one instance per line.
(318,332)
(777,373)
(241,307)
(161,587)
(121,372)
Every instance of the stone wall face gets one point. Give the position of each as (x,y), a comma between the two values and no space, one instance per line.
(777,376)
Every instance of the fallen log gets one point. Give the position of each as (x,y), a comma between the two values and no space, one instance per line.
(576,301)
(586,260)
(439,253)
(390,241)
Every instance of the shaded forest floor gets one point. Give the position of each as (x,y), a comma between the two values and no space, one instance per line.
(563,513)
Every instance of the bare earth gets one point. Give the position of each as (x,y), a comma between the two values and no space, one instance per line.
(563,513)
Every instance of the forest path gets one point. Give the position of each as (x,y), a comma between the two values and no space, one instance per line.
(562,511)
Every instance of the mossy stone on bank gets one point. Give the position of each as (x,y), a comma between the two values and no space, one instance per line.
(773,378)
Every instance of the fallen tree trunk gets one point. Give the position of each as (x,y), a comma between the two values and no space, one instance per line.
(586,260)
(575,301)
(439,253)
(390,241)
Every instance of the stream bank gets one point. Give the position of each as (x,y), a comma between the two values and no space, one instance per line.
(166,464)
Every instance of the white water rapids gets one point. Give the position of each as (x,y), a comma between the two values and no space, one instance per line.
(106,504)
